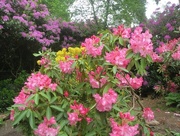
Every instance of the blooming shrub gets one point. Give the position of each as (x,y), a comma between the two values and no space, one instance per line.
(82,90)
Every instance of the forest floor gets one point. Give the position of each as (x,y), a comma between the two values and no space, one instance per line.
(168,118)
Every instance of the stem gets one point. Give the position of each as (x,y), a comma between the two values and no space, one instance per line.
(134,95)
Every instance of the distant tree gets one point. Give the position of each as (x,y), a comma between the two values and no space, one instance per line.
(59,8)
(110,12)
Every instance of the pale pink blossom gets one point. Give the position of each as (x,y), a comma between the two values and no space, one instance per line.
(92,46)
(39,81)
(95,78)
(126,80)
(141,42)
(73,118)
(121,31)
(47,128)
(105,102)
(12,115)
(176,55)
(21,99)
(123,130)
(66,66)
(118,57)
(126,117)
(148,114)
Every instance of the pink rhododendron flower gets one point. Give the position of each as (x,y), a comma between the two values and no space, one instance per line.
(135,82)
(141,42)
(121,31)
(80,109)
(46,128)
(66,66)
(73,118)
(80,112)
(172,87)
(66,93)
(92,46)
(148,114)
(126,117)
(12,115)
(95,78)
(123,130)
(105,102)
(44,61)
(156,58)
(21,99)
(176,55)
(118,57)
(39,81)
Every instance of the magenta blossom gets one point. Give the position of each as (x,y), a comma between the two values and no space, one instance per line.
(105,102)
(47,128)
(93,46)
(123,130)
(148,114)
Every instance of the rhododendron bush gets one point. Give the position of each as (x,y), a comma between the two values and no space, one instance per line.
(90,89)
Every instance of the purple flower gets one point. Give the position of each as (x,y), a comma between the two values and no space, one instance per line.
(5,18)
(168,25)
(1,27)
(171,28)
(167,37)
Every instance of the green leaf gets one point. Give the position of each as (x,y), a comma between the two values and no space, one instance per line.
(107,48)
(62,134)
(149,59)
(63,123)
(32,120)
(53,100)
(30,97)
(121,41)
(123,69)
(59,90)
(114,70)
(93,133)
(130,65)
(57,108)
(48,112)
(44,95)
(36,54)
(116,108)
(19,117)
(36,99)
(106,88)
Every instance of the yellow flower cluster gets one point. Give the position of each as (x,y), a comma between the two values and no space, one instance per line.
(71,52)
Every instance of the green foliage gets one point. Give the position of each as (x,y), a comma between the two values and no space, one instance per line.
(59,8)
(173,99)
(47,103)
(110,12)
(9,88)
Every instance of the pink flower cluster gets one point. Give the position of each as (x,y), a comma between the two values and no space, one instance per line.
(172,46)
(121,31)
(105,102)
(66,66)
(21,99)
(176,55)
(80,112)
(95,78)
(148,114)
(44,61)
(92,46)
(39,81)
(141,42)
(126,80)
(118,57)
(47,128)
(124,129)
